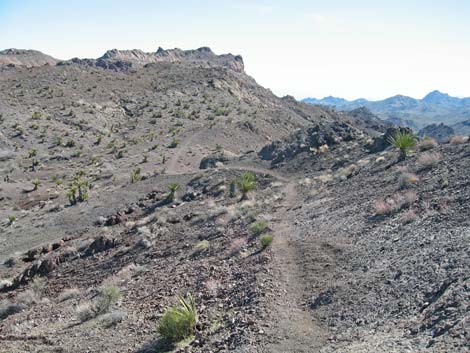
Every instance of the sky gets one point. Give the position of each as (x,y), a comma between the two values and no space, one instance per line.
(305,48)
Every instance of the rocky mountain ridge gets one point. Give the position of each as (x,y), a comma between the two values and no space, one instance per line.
(435,107)
(124,59)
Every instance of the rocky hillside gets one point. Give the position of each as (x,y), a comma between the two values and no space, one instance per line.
(134,179)
(25,58)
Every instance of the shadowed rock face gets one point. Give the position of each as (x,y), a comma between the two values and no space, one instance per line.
(305,139)
(440,132)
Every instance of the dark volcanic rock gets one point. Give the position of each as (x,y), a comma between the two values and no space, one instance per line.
(305,139)
(440,132)
(382,142)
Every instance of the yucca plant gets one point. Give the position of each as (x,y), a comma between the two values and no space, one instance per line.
(173,187)
(135,175)
(36,183)
(403,141)
(246,182)
(11,219)
(179,322)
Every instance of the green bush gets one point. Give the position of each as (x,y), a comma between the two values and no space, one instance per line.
(266,240)
(403,141)
(108,296)
(258,227)
(179,322)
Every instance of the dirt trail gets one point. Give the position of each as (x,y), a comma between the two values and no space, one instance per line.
(294,328)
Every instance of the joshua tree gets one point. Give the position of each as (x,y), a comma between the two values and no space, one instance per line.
(403,141)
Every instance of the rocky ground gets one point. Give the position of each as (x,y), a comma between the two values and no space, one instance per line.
(370,254)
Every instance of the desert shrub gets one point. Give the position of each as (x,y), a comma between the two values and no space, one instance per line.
(202,245)
(429,159)
(408,216)
(403,141)
(11,219)
(38,286)
(246,182)
(70,143)
(266,240)
(174,143)
(408,198)
(69,293)
(107,297)
(407,179)
(112,318)
(33,152)
(179,322)
(458,139)
(85,312)
(258,227)
(383,207)
(427,143)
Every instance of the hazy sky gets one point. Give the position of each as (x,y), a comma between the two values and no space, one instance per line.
(361,48)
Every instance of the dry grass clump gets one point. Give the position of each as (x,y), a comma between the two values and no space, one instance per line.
(107,297)
(237,244)
(458,139)
(383,207)
(112,318)
(407,179)
(395,203)
(429,159)
(69,293)
(408,216)
(427,143)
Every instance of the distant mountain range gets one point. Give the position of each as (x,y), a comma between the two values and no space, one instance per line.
(435,107)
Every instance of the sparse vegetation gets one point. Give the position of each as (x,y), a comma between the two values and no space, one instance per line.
(266,240)
(246,183)
(173,187)
(11,219)
(258,227)
(429,159)
(458,139)
(179,321)
(174,143)
(135,175)
(36,183)
(427,143)
(404,142)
